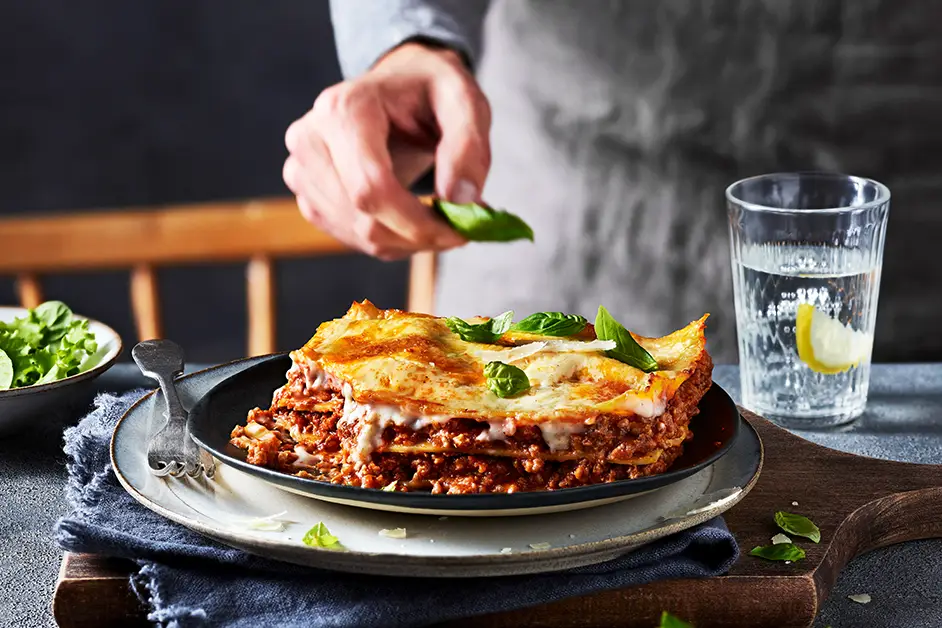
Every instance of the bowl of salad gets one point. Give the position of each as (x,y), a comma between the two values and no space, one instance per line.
(48,357)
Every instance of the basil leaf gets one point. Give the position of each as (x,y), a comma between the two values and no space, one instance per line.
(627,350)
(505,380)
(483,224)
(320,536)
(798,525)
(487,332)
(552,324)
(669,621)
(781,551)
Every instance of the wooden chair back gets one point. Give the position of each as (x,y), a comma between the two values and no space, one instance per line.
(257,231)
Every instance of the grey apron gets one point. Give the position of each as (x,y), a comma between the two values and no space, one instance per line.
(618,126)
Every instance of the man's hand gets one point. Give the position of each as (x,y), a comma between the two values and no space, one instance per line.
(353,155)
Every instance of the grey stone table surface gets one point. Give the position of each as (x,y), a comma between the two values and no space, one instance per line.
(903,422)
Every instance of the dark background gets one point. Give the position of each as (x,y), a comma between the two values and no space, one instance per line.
(118,103)
(111,103)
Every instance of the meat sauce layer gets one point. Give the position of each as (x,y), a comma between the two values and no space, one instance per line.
(304,434)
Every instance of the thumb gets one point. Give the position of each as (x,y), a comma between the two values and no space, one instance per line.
(463,155)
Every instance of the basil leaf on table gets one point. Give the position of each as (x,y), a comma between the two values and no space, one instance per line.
(479,223)
(781,551)
(505,380)
(798,525)
(486,333)
(669,621)
(627,350)
(552,324)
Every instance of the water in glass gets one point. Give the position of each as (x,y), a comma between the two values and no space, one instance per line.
(789,296)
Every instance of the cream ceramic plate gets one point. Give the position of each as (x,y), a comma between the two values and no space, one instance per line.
(434,546)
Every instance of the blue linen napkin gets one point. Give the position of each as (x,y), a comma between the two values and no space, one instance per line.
(188,580)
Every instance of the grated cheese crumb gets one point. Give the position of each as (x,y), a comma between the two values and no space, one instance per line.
(506,550)
(860,598)
(540,546)
(395,533)
(794,503)
(788,562)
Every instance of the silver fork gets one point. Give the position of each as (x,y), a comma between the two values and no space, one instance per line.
(171,451)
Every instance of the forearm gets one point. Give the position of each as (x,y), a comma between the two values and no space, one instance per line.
(365,30)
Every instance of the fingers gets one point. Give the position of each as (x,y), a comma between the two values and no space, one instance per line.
(321,199)
(463,157)
(356,130)
(350,154)
(377,243)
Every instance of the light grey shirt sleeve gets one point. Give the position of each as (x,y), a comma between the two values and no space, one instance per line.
(365,30)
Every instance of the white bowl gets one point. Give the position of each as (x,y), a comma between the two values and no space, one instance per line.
(36,402)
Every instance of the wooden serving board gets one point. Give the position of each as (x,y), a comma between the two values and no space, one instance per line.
(859,503)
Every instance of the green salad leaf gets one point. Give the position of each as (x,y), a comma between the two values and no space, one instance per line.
(505,380)
(798,525)
(46,345)
(320,536)
(552,324)
(487,332)
(779,551)
(627,350)
(669,621)
(6,370)
(480,223)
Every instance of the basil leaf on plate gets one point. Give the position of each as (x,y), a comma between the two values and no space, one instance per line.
(627,350)
(781,551)
(798,525)
(320,536)
(480,223)
(505,380)
(487,332)
(669,621)
(552,324)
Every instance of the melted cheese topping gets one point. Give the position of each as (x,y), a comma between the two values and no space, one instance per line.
(405,368)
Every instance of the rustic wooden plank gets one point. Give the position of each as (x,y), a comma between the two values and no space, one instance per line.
(162,235)
(28,289)
(260,290)
(94,592)
(743,602)
(145,302)
(859,504)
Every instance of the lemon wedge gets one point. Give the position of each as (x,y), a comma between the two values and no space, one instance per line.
(825,345)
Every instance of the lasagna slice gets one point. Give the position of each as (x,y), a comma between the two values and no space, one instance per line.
(394,400)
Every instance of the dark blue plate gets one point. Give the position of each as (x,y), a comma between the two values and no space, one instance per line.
(227,404)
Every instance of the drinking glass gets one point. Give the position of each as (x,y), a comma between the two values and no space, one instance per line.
(807,253)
